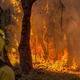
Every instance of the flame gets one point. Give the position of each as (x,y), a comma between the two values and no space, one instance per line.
(60,65)
(50,64)
(15,35)
(45,31)
(13,59)
(52,54)
(74,65)
(17,43)
(47,8)
(14,2)
(37,52)
(13,50)
(64,37)
(59,56)
(14,55)
(19,10)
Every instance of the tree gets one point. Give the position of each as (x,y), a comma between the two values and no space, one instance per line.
(4,21)
(24,47)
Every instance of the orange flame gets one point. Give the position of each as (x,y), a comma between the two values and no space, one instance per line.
(47,8)
(13,50)
(38,61)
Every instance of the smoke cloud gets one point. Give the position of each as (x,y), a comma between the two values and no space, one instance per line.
(5,4)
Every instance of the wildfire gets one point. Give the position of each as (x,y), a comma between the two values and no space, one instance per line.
(14,59)
(60,65)
(14,55)
(37,52)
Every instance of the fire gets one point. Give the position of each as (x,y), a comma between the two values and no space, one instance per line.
(64,37)
(17,43)
(19,10)
(60,65)
(74,65)
(14,2)
(49,64)
(52,53)
(37,52)
(13,50)
(45,30)
(14,59)
(14,55)
(47,8)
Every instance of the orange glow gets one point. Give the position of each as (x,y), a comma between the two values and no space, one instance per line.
(19,10)
(17,43)
(60,65)
(52,54)
(64,37)
(59,56)
(45,30)
(74,65)
(47,8)
(13,58)
(14,2)
(14,17)
(13,50)
(37,52)
(74,23)
(15,35)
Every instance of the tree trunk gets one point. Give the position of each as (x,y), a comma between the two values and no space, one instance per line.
(24,47)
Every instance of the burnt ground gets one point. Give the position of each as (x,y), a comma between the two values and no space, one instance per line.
(39,74)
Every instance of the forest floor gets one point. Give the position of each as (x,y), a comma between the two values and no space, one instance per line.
(39,74)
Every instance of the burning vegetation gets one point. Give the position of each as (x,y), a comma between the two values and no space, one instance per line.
(48,43)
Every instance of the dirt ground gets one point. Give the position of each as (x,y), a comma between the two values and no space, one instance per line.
(39,74)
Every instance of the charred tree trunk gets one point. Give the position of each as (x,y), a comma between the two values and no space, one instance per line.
(24,47)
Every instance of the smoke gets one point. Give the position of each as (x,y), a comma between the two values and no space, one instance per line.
(2,1)
(72,12)
(5,4)
(70,24)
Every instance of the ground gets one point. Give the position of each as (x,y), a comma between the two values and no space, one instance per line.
(40,74)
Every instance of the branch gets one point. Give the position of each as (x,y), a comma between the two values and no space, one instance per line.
(32,1)
(62,4)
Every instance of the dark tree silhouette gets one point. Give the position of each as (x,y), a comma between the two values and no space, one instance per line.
(24,47)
